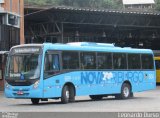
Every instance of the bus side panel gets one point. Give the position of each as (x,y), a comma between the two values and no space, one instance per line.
(87,83)
(53,86)
(147,81)
(99,82)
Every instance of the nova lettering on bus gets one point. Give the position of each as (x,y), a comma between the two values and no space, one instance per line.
(110,77)
(91,77)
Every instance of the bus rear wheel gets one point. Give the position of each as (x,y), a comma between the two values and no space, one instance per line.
(125,92)
(96,97)
(35,101)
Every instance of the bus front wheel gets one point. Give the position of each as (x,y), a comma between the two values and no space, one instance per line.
(34,101)
(68,94)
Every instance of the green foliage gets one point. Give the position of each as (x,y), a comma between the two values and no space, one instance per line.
(79,3)
(112,4)
(40,2)
(157,6)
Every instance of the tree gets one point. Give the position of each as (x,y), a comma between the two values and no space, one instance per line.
(115,4)
(157,5)
(79,3)
(38,2)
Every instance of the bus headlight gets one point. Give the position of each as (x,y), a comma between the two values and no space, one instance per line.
(36,84)
(7,86)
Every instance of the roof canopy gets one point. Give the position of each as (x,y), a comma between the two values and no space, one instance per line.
(128,2)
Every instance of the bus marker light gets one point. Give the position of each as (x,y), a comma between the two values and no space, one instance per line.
(36,84)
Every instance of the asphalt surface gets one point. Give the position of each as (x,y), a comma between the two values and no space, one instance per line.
(148,101)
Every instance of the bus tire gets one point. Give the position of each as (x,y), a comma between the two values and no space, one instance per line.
(35,101)
(125,91)
(96,97)
(72,94)
(65,94)
(132,95)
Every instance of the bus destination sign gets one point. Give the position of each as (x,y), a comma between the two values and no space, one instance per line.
(26,50)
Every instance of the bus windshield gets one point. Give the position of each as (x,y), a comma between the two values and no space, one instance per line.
(23,66)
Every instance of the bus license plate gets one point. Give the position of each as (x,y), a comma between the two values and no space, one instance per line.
(20,93)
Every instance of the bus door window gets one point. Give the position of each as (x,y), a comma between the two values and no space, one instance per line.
(51,65)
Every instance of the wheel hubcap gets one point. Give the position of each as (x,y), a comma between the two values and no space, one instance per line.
(67,94)
(126,92)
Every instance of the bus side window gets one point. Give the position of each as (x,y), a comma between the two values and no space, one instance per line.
(134,61)
(147,61)
(70,60)
(119,61)
(51,65)
(88,60)
(104,60)
(56,62)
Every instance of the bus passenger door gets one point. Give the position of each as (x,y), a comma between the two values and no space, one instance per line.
(51,71)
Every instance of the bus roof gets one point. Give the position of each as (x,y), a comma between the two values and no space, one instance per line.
(88,46)
(101,47)
(22,45)
(91,44)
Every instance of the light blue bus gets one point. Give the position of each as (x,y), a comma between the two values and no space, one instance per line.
(53,71)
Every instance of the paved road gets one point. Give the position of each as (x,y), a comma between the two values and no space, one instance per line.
(142,102)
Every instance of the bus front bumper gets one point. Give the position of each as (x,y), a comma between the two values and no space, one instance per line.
(37,93)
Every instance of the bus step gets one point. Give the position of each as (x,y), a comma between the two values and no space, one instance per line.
(44,99)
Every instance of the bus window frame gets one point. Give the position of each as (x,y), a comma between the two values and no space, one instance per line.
(59,53)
